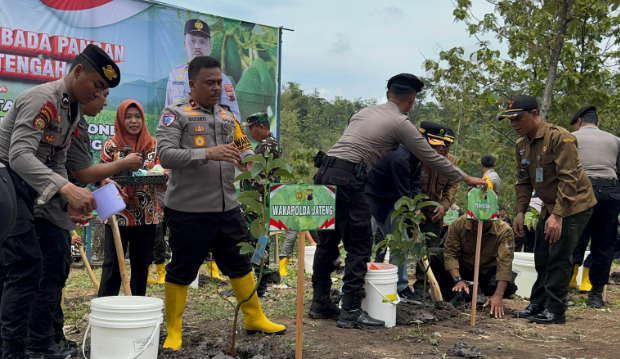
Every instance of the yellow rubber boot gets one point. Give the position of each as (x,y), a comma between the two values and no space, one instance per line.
(253,316)
(161,273)
(150,280)
(586,286)
(175,305)
(573,280)
(213,271)
(283,265)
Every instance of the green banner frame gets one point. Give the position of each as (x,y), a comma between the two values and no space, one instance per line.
(482,205)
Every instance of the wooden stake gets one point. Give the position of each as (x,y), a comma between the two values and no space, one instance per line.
(476,272)
(87,264)
(435,290)
(299,330)
(277,246)
(121,256)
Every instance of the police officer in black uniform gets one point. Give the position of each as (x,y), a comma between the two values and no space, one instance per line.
(8,204)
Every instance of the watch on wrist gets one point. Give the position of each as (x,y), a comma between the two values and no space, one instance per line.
(457,279)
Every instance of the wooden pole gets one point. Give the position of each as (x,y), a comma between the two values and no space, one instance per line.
(476,272)
(121,256)
(277,246)
(435,290)
(87,264)
(299,330)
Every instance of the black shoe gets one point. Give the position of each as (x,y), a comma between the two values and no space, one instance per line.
(352,315)
(546,317)
(52,351)
(417,295)
(66,343)
(14,349)
(595,300)
(262,286)
(529,312)
(406,294)
(322,306)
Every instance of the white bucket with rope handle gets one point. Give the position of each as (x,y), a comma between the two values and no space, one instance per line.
(381,295)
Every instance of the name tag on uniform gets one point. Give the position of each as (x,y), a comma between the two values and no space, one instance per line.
(197,119)
(539,174)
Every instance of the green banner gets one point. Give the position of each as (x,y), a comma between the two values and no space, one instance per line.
(450,217)
(301,207)
(482,205)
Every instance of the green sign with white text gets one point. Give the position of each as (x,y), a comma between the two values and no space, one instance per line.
(482,205)
(301,207)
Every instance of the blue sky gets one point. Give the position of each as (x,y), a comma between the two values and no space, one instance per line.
(351,48)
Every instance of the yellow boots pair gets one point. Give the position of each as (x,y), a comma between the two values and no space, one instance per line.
(253,316)
(586,285)
(213,271)
(283,265)
(161,274)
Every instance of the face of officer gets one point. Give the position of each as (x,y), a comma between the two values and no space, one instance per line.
(87,84)
(206,87)
(94,107)
(197,44)
(448,146)
(441,150)
(526,123)
(258,132)
(133,120)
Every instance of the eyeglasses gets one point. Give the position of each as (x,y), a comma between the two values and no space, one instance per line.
(523,173)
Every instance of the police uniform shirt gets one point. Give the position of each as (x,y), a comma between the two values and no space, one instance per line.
(374,131)
(554,171)
(185,131)
(35,134)
(178,87)
(461,248)
(599,152)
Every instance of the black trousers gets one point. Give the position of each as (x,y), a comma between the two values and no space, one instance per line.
(58,318)
(54,244)
(21,266)
(8,204)
(554,262)
(602,230)
(159,248)
(353,228)
(140,240)
(432,242)
(194,235)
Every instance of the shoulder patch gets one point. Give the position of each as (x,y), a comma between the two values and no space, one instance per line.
(230,93)
(168,119)
(192,103)
(46,115)
(568,139)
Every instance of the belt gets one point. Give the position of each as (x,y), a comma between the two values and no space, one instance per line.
(358,169)
(604,181)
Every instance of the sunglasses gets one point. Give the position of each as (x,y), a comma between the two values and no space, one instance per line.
(523,173)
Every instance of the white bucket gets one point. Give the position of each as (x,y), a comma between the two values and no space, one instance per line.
(523,265)
(381,296)
(309,258)
(109,201)
(124,327)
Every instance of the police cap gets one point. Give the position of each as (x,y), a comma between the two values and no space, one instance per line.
(518,105)
(407,80)
(104,65)
(197,26)
(582,111)
(449,137)
(256,118)
(434,132)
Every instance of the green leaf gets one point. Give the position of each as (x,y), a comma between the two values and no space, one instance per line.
(257,168)
(255,158)
(245,248)
(249,194)
(283,173)
(253,205)
(244,175)
(419,197)
(280,163)
(428,203)
(257,229)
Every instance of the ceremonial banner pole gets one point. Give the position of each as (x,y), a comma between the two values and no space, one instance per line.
(277,246)
(476,273)
(299,330)
(121,256)
(87,264)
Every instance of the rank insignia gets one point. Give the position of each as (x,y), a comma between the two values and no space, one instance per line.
(568,140)
(192,103)
(50,138)
(39,123)
(194,114)
(187,109)
(199,128)
(224,116)
(58,118)
(109,72)
(230,93)
(168,119)
(180,77)
(199,141)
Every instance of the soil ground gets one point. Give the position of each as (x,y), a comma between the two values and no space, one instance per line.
(421,331)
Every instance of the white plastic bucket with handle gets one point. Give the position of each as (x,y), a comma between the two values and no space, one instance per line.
(523,265)
(109,201)
(381,295)
(124,327)
(309,258)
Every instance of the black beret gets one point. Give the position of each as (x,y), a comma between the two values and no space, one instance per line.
(104,65)
(197,25)
(256,118)
(582,111)
(407,80)
(518,105)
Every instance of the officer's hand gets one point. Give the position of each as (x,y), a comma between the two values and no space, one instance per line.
(439,213)
(518,224)
(497,305)
(473,181)
(132,161)
(228,153)
(76,240)
(461,286)
(80,199)
(553,228)
(77,217)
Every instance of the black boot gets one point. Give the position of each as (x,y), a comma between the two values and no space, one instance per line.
(529,312)
(13,349)
(63,342)
(352,315)
(51,351)
(322,306)
(595,296)
(546,317)
(262,286)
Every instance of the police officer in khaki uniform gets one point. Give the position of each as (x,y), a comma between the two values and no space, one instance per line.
(371,133)
(548,162)
(201,142)
(34,137)
(439,189)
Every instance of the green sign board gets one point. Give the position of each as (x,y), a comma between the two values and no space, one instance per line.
(301,207)
(482,205)
(450,217)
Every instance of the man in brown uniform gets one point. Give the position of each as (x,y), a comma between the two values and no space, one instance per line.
(548,162)
(439,189)
(455,265)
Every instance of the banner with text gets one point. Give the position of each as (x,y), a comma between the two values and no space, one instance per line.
(302,207)
(152,44)
(482,205)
